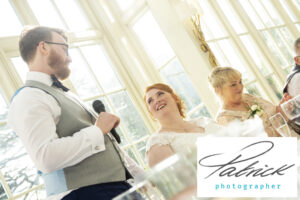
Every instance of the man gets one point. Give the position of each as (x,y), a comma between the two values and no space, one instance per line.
(292,85)
(71,146)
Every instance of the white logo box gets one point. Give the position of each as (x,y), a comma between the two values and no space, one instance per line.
(276,155)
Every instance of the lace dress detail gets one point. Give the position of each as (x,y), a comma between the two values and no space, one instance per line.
(225,116)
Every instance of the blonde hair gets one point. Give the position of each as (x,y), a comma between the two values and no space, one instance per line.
(221,75)
(161,86)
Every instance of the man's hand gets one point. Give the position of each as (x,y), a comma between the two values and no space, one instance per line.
(107,121)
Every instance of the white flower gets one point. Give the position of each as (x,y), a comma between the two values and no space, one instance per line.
(254,107)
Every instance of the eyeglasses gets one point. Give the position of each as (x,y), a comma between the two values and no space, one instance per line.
(62,44)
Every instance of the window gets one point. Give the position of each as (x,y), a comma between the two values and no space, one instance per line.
(12,26)
(15,179)
(262,52)
(64,14)
(167,64)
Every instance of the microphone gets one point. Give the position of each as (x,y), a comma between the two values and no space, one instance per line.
(99,107)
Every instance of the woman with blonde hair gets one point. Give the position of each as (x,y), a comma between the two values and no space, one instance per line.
(237,105)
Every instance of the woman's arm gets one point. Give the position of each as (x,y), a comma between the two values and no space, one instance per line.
(158,153)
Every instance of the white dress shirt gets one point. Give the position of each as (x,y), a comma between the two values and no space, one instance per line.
(33,115)
(294,85)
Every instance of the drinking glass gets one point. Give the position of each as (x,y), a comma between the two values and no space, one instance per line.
(280,125)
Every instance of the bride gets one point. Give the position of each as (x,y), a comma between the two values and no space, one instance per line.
(175,133)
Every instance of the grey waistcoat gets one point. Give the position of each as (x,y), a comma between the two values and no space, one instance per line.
(102,167)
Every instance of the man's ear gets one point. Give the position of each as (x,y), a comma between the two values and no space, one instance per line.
(43,48)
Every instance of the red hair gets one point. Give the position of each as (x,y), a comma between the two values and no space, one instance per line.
(164,87)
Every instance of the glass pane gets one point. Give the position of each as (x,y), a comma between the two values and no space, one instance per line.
(206,31)
(73,15)
(153,39)
(42,9)
(256,54)
(286,49)
(8,20)
(289,11)
(260,10)
(214,25)
(235,59)
(274,83)
(222,60)
(129,116)
(19,171)
(288,36)
(3,108)
(3,195)
(274,49)
(20,66)
(34,195)
(201,112)
(296,3)
(81,77)
(251,13)
(255,89)
(102,67)
(141,147)
(181,84)
(232,16)
(268,5)
(124,5)
(252,89)
(131,154)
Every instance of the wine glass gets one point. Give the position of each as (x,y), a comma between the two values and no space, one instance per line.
(280,125)
(291,109)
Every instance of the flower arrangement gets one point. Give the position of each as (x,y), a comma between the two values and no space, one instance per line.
(255,110)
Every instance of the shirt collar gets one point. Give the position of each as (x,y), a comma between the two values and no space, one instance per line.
(40,77)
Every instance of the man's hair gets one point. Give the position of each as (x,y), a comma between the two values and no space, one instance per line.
(297,42)
(31,37)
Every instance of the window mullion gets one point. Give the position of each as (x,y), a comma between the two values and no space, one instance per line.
(134,92)
(260,43)
(293,7)
(9,78)
(24,12)
(59,14)
(5,185)
(269,34)
(285,18)
(244,52)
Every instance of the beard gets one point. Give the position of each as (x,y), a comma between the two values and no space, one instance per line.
(59,65)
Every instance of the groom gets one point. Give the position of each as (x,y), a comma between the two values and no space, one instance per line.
(70,145)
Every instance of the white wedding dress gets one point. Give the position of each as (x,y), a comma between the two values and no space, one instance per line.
(179,142)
